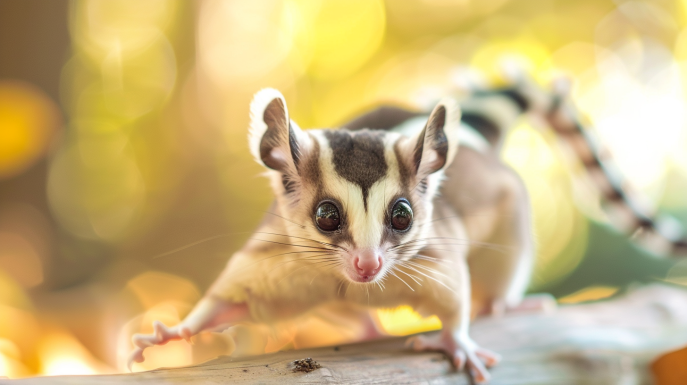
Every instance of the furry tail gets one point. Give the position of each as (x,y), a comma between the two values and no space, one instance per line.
(661,235)
(493,111)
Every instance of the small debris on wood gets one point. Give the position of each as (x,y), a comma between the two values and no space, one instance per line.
(306,365)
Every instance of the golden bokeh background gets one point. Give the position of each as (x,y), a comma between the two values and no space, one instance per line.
(123,136)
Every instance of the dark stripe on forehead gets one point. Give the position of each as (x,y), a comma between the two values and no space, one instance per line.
(358,157)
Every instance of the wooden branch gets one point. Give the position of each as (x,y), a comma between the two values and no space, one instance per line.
(605,342)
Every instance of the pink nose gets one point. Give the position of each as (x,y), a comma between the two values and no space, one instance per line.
(368,264)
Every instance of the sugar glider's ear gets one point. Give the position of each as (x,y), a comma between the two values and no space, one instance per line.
(435,146)
(275,141)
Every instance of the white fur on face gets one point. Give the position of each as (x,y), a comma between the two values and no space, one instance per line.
(365,226)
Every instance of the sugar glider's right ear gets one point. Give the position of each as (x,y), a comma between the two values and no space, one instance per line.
(275,141)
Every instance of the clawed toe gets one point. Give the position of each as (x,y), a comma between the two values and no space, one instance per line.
(160,336)
(463,352)
(135,356)
(488,357)
(416,343)
(459,360)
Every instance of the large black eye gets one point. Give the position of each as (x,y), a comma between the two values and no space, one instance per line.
(327,217)
(401,216)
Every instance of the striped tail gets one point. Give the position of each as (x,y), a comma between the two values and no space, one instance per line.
(492,112)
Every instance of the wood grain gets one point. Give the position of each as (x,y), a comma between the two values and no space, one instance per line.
(608,342)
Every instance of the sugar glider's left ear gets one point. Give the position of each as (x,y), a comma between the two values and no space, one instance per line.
(275,141)
(435,146)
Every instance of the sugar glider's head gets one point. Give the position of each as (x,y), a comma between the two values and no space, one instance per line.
(358,200)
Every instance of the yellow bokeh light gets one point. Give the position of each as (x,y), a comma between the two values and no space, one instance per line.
(63,364)
(95,187)
(130,26)
(157,95)
(154,287)
(526,54)
(257,32)
(11,365)
(404,320)
(419,79)
(593,293)
(344,35)
(560,231)
(62,354)
(28,119)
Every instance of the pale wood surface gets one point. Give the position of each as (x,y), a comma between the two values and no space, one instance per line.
(609,342)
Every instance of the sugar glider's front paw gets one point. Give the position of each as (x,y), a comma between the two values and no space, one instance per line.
(462,351)
(160,336)
(209,314)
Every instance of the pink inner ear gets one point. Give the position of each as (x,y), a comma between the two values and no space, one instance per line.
(430,158)
(278,155)
(429,164)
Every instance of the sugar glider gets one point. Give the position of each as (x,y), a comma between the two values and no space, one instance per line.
(397,207)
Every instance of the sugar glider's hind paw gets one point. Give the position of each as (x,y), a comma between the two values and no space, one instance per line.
(462,351)
(541,303)
(160,336)
(535,303)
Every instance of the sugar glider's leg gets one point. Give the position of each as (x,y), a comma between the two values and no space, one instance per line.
(500,275)
(210,313)
(453,309)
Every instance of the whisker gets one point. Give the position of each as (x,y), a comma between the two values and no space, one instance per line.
(277,255)
(410,276)
(429,269)
(195,244)
(412,251)
(487,246)
(439,219)
(444,238)
(330,266)
(307,239)
(430,277)
(399,278)
(218,236)
(381,284)
(291,244)
(306,251)
(313,259)
(428,238)
(432,259)
(291,273)
(464,215)
(288,220)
